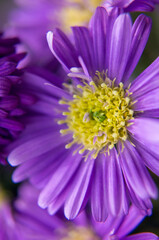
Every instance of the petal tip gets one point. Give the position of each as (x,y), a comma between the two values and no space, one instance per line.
(49,37)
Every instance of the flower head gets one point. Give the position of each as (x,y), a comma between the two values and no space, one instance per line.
(105,131)
(12,101)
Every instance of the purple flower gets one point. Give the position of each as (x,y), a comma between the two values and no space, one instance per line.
(96,144)
(132,5)
(12,100)
(28,222)
(30,22)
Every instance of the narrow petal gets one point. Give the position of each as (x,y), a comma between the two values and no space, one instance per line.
(98,30)
(7,68)
(35,147)
(103,229)
(117,202)
(84,45)
(141,6)
(140,33)
(11,124)
(63,49)
(148,102)
(136,174)
(79,189)
(110,23)
(134,217)
(143,204)
(141,236)
(9,103)
(59,201)
(35,166)
(5,86)
(146,131)
(146,81)
(120,47)
(151,160)
(154,113)
(60,178)
(99,191)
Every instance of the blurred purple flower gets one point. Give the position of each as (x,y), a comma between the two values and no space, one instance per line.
(12,101)
(132,5)
(26,221)
(102,118)
(31,20)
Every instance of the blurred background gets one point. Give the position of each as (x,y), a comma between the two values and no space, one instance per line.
(5,7)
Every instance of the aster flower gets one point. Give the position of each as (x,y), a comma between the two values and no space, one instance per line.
(32,222)
(96,143)
(132,5)
(30,22)
(12,101)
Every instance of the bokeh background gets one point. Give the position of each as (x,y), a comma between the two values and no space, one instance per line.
(151,52)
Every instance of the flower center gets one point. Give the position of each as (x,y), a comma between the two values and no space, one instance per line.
(78,12)
(80,233)
(98,115)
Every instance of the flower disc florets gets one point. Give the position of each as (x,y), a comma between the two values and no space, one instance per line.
(98,115)
(80,233)
(78,12)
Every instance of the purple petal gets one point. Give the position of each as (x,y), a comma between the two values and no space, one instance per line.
(143,204)
(9,41)
(98,192)
(146,131)
(63,49)
(35,147)
(17,112)
(120,46)
(9,103)
(141,6)
(134,217)
(36,166)
(43,87)
(98,30)
(148,102)
(59,179)
(79,189)
(140,33)
(117,201)
(5,86)
(154,113)
(58,202)
(16,58)
(136,174)
(3,114)
(26,99)
(84,45)
(11,124)
(142,236)
(7,68)
(104,229)
(150,159)
(110,23)
(146,81)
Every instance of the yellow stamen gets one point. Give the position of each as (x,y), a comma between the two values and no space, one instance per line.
(98,118)
(80,233)
(78,12)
